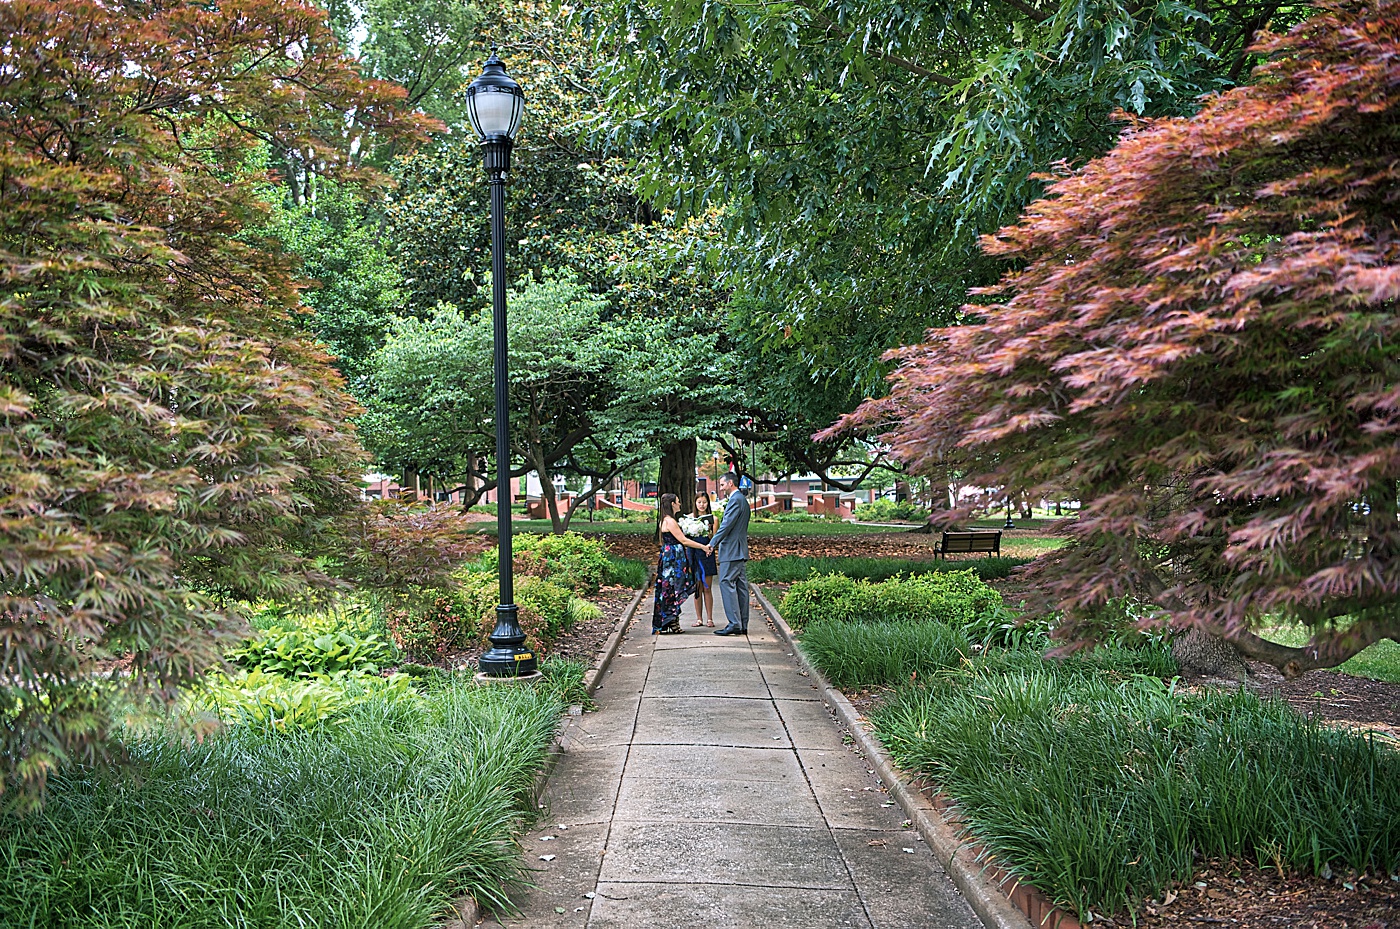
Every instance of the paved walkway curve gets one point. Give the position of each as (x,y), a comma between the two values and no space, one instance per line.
(713,788)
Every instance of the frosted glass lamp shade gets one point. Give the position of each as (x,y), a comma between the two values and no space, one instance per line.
(495,103)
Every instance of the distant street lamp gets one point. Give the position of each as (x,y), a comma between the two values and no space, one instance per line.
(495,105)
(1008,524)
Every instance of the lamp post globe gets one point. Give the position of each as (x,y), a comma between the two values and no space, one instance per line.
(495,106)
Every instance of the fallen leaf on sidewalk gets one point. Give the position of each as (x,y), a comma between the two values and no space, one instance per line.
(876,843)
(546,858)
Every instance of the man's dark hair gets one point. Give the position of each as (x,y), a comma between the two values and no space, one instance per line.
(731,477)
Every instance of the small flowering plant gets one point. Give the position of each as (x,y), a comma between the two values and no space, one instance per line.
(692,526)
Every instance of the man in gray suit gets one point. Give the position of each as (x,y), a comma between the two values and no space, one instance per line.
(730,544)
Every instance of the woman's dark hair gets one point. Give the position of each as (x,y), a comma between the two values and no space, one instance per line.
(709,504)
(667,505)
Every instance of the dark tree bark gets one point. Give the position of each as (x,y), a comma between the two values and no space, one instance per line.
(1199,653)
(678,473)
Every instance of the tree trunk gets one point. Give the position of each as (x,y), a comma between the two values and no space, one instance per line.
(470,480)
(1198,653)
(678,473)
(551,502)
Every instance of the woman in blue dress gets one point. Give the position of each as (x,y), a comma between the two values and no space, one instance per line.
(675,579)
(702,564)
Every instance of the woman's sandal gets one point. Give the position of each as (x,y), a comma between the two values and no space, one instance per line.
(698,623)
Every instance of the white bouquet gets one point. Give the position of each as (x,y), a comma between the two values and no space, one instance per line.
(693,526)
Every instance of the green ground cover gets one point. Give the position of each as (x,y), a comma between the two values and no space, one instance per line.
(304,784)
(1094,778)
(379,816)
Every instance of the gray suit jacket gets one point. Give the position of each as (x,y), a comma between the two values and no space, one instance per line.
(731,540)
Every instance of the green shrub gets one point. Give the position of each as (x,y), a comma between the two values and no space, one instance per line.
(298,653)
(882,653)
(545,608)
(438,623)
(1101,789)
(786,569)
(380,820)
(581,611)
(570,560)
(430,624)
(792,516)
(260,698)
(953,597)
(834,597)
(883,510)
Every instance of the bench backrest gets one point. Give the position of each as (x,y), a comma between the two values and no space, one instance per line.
(972,541)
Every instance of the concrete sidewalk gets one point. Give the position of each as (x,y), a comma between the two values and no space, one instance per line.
(713,788)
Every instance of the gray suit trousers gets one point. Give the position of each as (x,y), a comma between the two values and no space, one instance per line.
(734,592)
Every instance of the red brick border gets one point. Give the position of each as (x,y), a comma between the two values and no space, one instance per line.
(1039,908)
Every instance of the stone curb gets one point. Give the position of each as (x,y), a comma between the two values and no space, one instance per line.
(992,906)
(469,912)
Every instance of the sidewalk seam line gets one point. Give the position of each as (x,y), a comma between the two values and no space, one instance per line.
(990,905)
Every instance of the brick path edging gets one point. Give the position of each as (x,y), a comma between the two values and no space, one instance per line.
(998,898)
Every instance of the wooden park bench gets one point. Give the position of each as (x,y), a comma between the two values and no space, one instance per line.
(970,541)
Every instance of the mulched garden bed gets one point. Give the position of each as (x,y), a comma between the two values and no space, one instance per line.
(586,639)
(1241,894)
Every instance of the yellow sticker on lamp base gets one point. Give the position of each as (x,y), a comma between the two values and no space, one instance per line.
(524,656)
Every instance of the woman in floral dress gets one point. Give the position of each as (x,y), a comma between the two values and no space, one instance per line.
(675,579)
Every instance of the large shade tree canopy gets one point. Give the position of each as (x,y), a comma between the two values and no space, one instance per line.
(862,146)
(1202,345)
(167,437)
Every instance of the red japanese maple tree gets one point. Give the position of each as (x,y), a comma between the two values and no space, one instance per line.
(167,436)
(1202,345)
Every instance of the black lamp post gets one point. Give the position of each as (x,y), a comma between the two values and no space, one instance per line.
(1008,524)
(495,104)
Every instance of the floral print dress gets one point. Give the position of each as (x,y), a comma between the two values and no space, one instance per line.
(675,581)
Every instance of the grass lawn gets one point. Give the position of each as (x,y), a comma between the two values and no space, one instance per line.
(997,522)
(1380,662)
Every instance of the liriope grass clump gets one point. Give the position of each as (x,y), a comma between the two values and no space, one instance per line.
(1102,788)
(381,819)
(856,655)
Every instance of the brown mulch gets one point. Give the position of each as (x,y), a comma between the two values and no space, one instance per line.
(586,640)
(1338,698)
(1243,895)
(582,643)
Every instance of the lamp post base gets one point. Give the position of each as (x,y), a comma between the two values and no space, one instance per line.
(508,656)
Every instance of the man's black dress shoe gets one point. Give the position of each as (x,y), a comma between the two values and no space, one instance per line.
(730,630)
